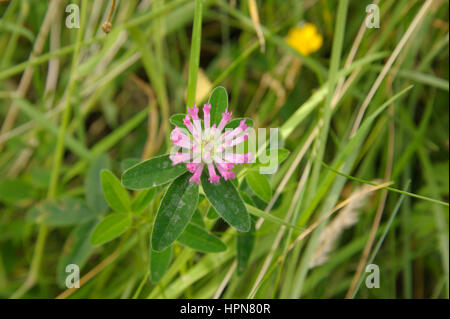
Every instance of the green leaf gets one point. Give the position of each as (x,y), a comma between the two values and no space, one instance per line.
(219,103)
(235,182)
(246,197)
(15,190)
(282,154)
(159,263)
(235,122)
(128,163)
(199,239)
(175,212)
(212,214)
(39,177)
(116,196)
(228,204)
(197,219)
(64,212)
(77,250)
(260,213)
(153,172)
(141,201)
(92,186)
(244,246)
(177,120)
(250,197)
(260,185)
(110,227)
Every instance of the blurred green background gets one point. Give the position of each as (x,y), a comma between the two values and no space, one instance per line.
(122,87)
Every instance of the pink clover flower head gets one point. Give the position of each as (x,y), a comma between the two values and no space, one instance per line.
(209,147)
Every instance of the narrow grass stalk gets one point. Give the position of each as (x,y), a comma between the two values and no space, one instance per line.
(389,63)
(392,189)
(325,112)
(194,59)
(380,241)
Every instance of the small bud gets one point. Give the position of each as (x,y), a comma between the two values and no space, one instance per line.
(106,27)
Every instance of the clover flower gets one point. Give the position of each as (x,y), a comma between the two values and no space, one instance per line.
(209,146)
(305,39)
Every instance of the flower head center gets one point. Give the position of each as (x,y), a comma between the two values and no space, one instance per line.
(208,147)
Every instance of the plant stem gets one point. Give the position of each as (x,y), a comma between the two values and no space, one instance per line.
(194,60)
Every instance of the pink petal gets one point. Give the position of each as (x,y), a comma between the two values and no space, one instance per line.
(213,177)
(236,141)
(193,112)
(179,158)
(191,167)
(187,122)
(179,139)
(206,115)
(228,135)
(197,174)
(242,125)
(213,129)
(226,174)
(190,127)
(226,117)
(225,165)
(239,158)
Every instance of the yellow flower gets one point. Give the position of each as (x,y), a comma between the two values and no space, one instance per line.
(305,39)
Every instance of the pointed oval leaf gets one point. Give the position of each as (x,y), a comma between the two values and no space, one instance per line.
(227,202)
(175,212)
(244,247)
(153,172)
(247,198)
(110,227)
(128,163)
(212,214)
(260,185)
(197,219)
(116,196)
(199,239)
(159,263)
(219,103)
(282,154)
(177,120)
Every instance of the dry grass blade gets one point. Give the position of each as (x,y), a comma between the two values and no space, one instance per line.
(388,65)
(348,216)
(255,19)
(342,204)
(27,76)
(280,234)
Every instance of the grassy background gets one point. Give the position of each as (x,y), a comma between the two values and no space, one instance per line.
(70,95)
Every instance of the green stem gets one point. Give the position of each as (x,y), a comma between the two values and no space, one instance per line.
(194,60)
